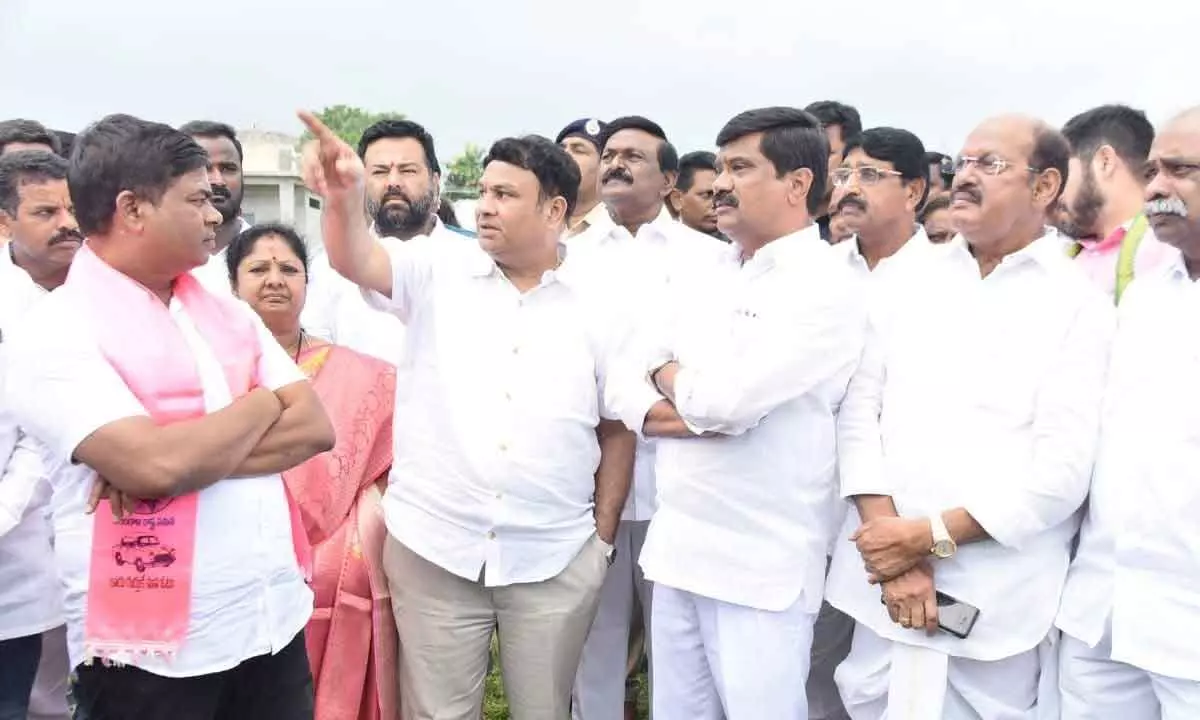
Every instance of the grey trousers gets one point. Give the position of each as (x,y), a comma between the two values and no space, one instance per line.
(445,624)
(600,683)
(49,698)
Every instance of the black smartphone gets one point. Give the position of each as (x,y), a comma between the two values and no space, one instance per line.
(954,616)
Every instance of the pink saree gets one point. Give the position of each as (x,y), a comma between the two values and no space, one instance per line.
(351,637)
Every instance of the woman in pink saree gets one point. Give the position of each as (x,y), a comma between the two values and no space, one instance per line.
(351,637)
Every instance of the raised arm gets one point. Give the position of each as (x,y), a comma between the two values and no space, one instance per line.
(334,171)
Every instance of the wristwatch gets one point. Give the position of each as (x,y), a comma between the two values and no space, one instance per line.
(944,546)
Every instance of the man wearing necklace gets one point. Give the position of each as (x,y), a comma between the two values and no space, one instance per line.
(966,443)
(511,466)
(1128,613)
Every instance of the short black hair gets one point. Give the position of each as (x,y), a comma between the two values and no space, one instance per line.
(243,244)
(832,112)
(123,153)
(668,157)
(66,140)
(937,202)
(211,129)
(29,132)
(690,163)
(1123,128)
(792,139)
(556,172)
(901,148)
(25,167)
(446,214)
(1050,150)
(392,128)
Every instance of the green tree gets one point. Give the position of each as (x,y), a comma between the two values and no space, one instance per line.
(349,122)
(463,173)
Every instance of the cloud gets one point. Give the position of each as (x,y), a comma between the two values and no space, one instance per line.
(474,71)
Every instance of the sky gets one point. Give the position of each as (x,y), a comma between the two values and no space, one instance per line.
(473,71)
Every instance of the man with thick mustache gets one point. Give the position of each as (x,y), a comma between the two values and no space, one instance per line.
(1128,613)
(224,150)
(749,377)
(402,198)
(966,443)
(1100,211)
(878,186)
(656,261)
(37,220)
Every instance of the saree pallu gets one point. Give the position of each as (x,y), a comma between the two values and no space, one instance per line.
(351,638)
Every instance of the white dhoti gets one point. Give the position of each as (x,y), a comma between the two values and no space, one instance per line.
(1096,687)
(718,661)
(599,692)
(885,680)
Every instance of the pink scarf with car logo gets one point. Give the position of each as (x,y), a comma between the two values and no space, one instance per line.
(140,576)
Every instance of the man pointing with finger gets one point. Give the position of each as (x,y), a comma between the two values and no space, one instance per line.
(511,465)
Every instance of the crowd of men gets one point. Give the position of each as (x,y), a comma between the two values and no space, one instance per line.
(825,424)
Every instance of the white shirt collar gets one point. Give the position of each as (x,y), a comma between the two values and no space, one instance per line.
(1045,250)
(918,242)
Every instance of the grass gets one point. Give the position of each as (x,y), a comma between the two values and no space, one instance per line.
(495,707)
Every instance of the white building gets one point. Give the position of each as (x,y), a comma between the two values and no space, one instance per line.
(274,190)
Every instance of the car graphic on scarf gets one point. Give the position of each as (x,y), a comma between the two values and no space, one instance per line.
(142,551)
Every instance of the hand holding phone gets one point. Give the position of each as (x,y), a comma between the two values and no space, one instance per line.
(954,616)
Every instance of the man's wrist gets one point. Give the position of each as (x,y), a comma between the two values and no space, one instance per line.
(922,537)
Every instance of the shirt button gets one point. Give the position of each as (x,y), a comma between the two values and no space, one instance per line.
(499,495)
(516,349)
(491,535)
(503,447)
(508,396)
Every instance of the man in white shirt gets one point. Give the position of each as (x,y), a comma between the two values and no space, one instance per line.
(1129,610)
(647,267)
(750,378)
(878,186)
(691,200)
(242,653)
(966,442)
(582,141)
(402,195)
(510,467)
(37,221)
(1101,207)
(224,150)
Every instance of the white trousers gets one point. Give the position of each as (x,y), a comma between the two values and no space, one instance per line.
(883,680)
(49,698)
(718,661)
(1096,687)
(599,692)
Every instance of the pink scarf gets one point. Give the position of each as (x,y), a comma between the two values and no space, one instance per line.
(140,577)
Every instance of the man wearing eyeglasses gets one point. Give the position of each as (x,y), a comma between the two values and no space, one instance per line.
(878,186)
(966,442)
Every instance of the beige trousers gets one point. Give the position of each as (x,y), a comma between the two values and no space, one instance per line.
(445,624)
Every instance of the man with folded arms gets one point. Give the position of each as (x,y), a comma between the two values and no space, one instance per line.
(749,379)
(184,591)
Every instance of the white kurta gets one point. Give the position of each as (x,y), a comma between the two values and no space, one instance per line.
(1133,594)
(981,393)
(744,519)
